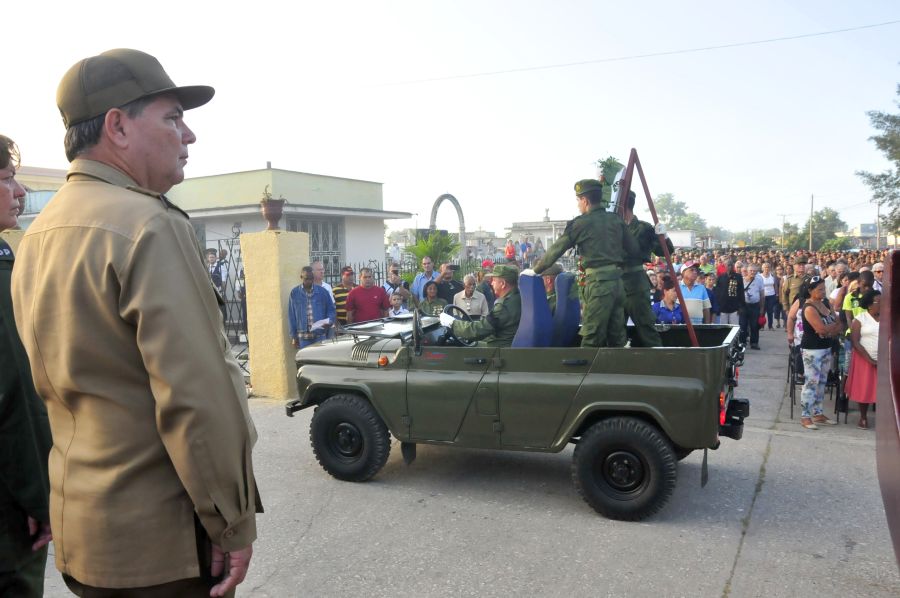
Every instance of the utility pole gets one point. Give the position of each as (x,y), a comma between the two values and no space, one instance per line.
(878,227)
(783,216)
(810,221)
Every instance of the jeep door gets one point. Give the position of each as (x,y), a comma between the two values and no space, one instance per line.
(452,396)
(537,387)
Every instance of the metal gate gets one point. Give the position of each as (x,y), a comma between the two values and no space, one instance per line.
(234,313)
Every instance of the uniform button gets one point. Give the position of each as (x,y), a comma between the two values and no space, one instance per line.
(229,533)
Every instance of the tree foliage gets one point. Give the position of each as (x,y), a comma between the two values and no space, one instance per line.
(440,247)
(675,215)
(886,185)
(825,223)
(836,244)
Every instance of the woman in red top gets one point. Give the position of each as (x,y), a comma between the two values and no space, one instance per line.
(510,251)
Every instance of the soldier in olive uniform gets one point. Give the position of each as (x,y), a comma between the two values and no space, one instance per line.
(24,428)
(792,284)
(603,244)
(498,328)
(634,277)
(550,275)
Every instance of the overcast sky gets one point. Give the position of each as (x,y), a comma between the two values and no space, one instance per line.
(378,91)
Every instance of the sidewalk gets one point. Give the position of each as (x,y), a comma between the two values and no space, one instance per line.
(817,524)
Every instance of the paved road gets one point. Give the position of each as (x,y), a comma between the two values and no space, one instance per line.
(787,512)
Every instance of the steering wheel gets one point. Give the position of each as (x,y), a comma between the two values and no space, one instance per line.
(449,337)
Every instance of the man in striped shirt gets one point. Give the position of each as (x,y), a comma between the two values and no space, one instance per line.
(341,291)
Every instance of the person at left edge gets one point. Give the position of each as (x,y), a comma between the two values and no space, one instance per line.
(309,303)
(151,466)
(24,430)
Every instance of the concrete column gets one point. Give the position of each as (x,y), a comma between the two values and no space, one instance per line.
(272,262)
(12,237)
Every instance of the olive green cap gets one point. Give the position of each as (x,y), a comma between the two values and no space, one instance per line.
(553,270)
(587,185)
(114,78)
(508,273)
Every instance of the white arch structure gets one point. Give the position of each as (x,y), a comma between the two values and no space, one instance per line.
(459,213)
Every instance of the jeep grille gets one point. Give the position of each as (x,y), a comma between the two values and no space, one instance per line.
(361,350)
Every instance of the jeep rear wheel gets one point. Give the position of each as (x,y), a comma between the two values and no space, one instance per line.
(348,438)
(624,468)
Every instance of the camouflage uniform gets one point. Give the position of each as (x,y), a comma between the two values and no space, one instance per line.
(603,243)
(637,285)
(24,446)
(498,328)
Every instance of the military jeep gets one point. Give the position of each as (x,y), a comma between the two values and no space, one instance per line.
(631,413)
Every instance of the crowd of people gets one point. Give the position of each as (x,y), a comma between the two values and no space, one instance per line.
(826,302)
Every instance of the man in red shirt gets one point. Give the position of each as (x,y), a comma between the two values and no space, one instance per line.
(367,301)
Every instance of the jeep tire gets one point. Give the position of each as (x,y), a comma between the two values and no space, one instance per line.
(625,468)
(349,439)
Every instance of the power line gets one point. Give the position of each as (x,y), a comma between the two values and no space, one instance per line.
(638,56)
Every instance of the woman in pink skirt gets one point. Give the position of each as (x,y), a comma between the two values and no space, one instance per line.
(861,381)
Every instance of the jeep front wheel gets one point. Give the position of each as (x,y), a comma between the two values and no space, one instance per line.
(625,468)
(348,438)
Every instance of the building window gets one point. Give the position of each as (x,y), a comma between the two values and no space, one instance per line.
(200,231)
(326,242)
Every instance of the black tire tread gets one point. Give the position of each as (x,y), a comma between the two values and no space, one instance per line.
(643,432)
(379,447)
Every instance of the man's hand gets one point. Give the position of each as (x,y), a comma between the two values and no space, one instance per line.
(660,228)
(446,320)
(295,342)
(238,563)
(41,533)
(528,272)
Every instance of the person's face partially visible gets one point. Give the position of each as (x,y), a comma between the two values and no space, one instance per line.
(319,272)
(11,194)
(428,265)
(158,143)
(210,258)
(307,278)
(366,279)
(396,301)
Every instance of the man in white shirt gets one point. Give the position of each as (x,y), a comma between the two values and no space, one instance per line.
(754,293)
(471,301)
(319,277)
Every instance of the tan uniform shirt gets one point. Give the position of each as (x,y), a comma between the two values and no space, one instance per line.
(147,406)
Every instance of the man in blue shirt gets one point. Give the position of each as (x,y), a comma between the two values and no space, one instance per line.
(309,303)
(696,299)
(418,285)
(754,294)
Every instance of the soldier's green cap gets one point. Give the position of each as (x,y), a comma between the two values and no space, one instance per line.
(114,78)
(508,273)
(553,270)
(587,185)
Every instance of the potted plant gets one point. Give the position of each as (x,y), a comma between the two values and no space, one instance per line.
(271,208)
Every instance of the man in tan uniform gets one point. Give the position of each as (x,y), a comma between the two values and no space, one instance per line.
(151,482)
(792,284)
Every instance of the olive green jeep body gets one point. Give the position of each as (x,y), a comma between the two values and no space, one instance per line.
(631,412)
